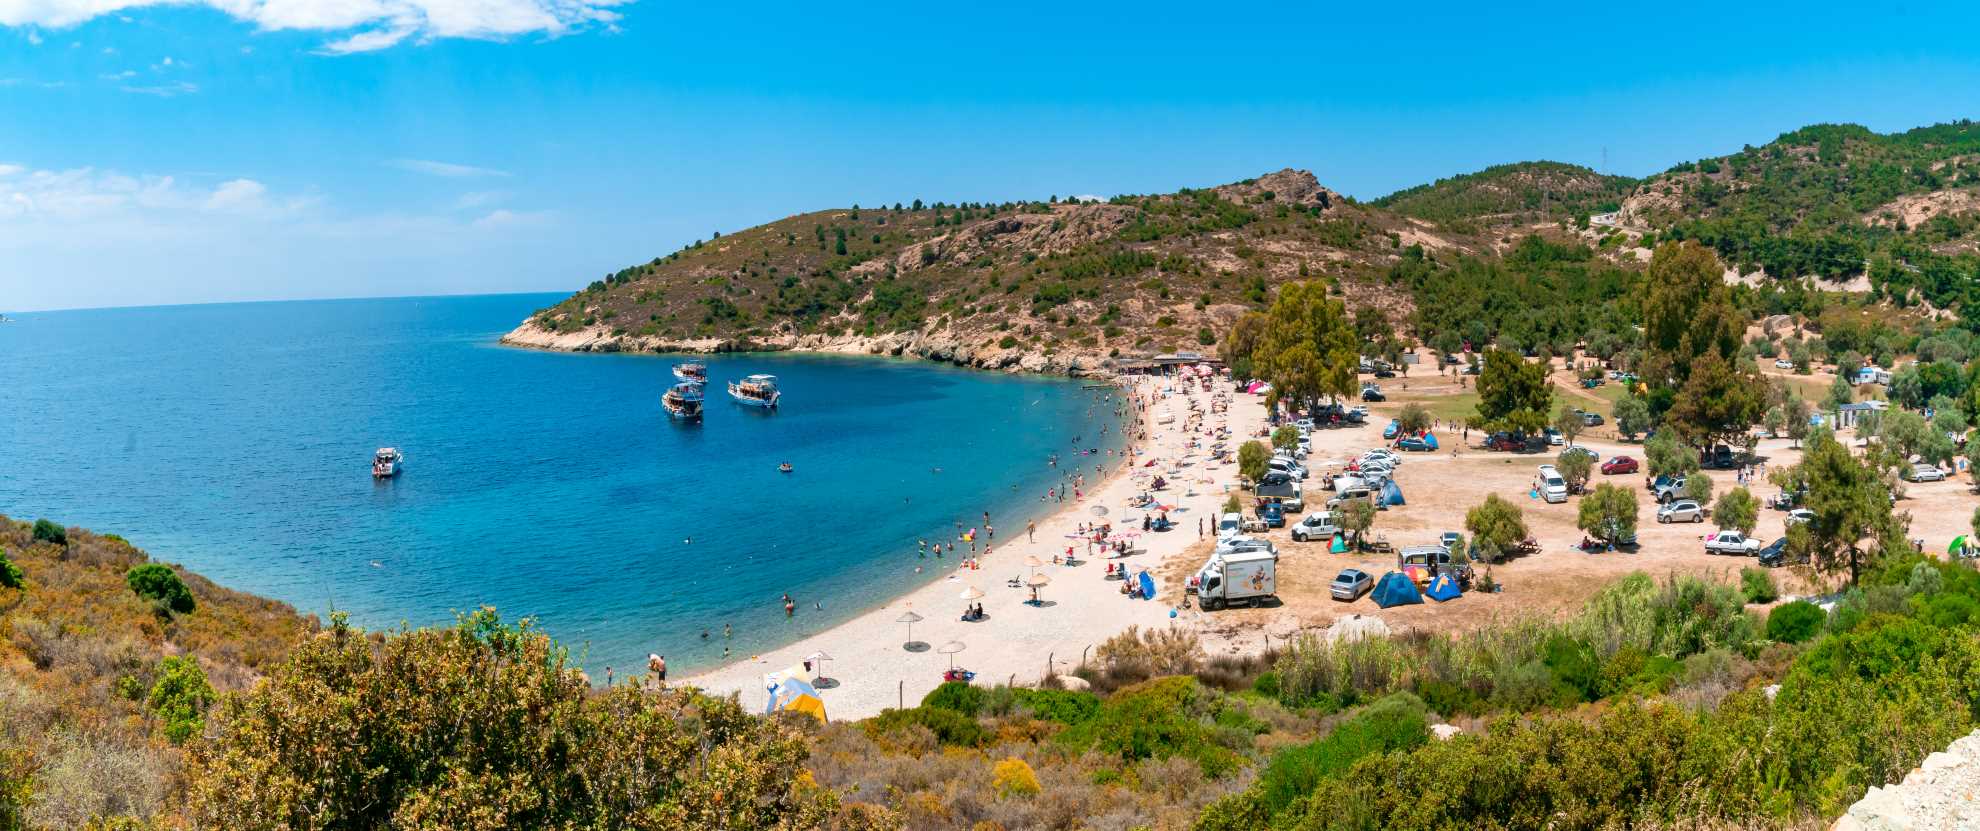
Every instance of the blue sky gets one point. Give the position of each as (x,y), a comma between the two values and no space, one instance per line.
(212,150)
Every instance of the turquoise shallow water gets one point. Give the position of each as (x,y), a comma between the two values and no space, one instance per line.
(235,439)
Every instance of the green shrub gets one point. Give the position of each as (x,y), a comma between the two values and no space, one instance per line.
(1266,684)
(10,574)
(1795,622)
(1396,722)
(955,695)
(949,726)
(49,532)
(1758,585)
(1577,672)
(180,697)
(1062,706)
(1007,342)
(1157,719)
(160,583)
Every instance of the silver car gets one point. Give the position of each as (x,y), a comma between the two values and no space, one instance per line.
(1926,473)
(1682,510)
(1351,584)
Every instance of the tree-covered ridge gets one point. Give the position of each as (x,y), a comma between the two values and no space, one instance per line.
(1829,201)
(1537,190)
(1140,273)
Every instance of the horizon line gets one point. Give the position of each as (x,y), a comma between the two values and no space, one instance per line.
(325,299)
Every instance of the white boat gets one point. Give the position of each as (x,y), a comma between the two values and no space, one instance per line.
(387,463)
(756,391)
(683,401)
(693,373)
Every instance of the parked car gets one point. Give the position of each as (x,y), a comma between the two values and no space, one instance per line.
(1506,441)
(1619,465)
(1381,453)
(1315,526)
(1449,539)
(1417,444)
(1372,393)
(1783,363)
(1591,419)
(1923,472)
(1288,496)
(1554,437)
(1384,373)
(1719,457)
(1436,559)
(1390,429)
(1553,488)
(1351,584)
(1774,555)
(1229,525)
(1670,490)
(1798,516)
(1731,542)
(1274,516)
(1275,477)
(1682,510)
(1305,425)
(1787,499)
(1471,369)
(1578,450)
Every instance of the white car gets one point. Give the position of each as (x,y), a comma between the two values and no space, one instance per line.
(1799,516)
(1731,542)
(1315,526)
(1922,472)
(1681,510)
(1383,455)
(1783,363)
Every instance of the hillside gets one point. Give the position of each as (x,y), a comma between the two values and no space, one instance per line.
(1833,201)
(1039,286)
(1510,194)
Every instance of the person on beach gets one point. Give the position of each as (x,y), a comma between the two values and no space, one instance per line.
(1031,531)
(657,664)
(725,632)
(790,608)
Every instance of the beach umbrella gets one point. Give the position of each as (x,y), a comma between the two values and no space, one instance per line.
(1037,580)
(818,660)
(1033,561)
(1147,586)
(972,593)
(950,649)
(909,618)
(1099,510)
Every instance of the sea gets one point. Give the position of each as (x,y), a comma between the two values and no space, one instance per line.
(236,440)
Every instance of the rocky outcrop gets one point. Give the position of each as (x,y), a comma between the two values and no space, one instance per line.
(1941,794)
(1293,187)
(1065,228)
(933,346)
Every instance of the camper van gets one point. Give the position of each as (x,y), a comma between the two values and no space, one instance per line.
(1247,577)
(1553,488)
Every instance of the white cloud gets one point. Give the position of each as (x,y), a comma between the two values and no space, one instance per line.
(365,25)
(479,199)
(504,218)
(171,90)
(34,38)
(237,195)
(447,169)
(118,76)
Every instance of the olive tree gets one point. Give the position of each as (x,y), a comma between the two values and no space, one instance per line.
(1496,526)
(1737,508)
(1574,466)
(1608,513)
(1357,516)
(1252,457)
(1285,438)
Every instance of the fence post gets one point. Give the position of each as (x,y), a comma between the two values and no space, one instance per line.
(1082,656)
(1048,665)
(900,695)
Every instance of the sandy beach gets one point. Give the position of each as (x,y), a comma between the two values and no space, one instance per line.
(871,667)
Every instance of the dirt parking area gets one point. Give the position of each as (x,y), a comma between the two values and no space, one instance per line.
(1440,487)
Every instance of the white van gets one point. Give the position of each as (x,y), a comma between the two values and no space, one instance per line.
(1287,466)
(1553,488)
(1229,525)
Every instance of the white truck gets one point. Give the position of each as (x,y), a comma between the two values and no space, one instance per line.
(1248,577)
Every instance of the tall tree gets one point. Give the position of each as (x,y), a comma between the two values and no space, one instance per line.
(1496,525)
(1513,394)
(1632,416)
(1853,523)
(1240,347)
(1608,513)
(1308,346)
(1687,312)
(1737,509)
(1717,403)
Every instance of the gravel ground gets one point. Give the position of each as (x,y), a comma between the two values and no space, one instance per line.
(1942,793)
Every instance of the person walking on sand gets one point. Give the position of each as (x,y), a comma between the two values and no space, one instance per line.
(1031,531)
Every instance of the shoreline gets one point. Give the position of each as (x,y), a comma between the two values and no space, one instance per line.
(928,346)
(1019,642)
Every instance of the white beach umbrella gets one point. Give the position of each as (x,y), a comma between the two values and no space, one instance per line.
(972,593)
(910,618)
(950,649)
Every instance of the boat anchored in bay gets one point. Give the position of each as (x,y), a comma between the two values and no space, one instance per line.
(387,463)
(756,391)
(693,373)
(683,400)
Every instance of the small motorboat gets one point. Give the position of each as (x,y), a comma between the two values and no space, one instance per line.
(693,373)
(784,468)
(756,391)
(387,463)
(683,401)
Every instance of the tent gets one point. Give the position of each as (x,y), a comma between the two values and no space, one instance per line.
(1147,586)
(1395,589)
(1390,430)
(1340,544)
(1391,495)
(1430,439)
(789,691)
(1444,588)
(1255,386)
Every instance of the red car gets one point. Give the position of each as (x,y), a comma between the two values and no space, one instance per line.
(1619,464)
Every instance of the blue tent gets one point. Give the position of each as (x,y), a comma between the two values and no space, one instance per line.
(1147,586)
(1391,495)
(1430,439)
(1445,587)
(1395,589)
(1390,431)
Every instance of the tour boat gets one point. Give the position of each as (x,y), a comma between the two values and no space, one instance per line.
(693,373)
(756,391)
(387,463)
(683,401)
(784,468)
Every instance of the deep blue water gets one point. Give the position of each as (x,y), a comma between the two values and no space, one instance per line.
(236,439)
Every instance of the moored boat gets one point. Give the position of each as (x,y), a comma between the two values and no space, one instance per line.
(693,373)
(683,401)
(756,391)
(387,463)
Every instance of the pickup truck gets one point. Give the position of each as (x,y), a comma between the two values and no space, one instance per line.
(1731,542)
